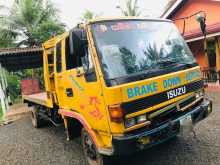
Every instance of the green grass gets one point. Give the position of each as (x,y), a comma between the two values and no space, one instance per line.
(1,114)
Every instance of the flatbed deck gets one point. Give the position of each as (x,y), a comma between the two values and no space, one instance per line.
(38,98)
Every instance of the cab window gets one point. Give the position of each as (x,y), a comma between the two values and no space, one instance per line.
(81,57)
(70,64)
(58,58)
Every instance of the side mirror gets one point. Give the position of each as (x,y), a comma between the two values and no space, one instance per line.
(77,39)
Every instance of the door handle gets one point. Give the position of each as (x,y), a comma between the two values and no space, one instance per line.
(60,76)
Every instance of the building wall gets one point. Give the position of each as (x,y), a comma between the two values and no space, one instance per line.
(211,7)
(197,48)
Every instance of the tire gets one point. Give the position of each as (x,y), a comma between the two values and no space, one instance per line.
(37,122)
(91,155)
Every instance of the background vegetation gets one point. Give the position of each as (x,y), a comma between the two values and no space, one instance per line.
(131,8)
(28,23)
(1,114)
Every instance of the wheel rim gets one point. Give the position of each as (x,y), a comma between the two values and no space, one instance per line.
(33,119)
(90,151)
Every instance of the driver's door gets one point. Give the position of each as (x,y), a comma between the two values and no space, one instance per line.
(79,91)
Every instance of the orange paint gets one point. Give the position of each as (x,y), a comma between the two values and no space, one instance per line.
(197,49)
(96,113)
(210,7)
(82,106)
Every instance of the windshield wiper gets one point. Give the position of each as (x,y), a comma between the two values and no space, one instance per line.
(188,65)
(166,62)
(170,62)
(143,73)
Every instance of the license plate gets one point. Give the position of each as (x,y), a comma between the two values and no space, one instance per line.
(186,125)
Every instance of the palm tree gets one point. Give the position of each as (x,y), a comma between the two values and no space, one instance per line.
(5,40)
(30,22)
(131,9)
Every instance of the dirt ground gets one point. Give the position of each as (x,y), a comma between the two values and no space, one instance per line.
(21,144)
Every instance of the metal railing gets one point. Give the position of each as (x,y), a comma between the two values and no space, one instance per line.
(210,75)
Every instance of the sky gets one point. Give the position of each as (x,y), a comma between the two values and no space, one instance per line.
(72,10)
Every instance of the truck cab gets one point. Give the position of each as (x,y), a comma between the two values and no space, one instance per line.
(127,83)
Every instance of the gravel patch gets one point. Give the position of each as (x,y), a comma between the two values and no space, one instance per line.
(21,144)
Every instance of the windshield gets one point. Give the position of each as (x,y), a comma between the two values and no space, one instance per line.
(131,47)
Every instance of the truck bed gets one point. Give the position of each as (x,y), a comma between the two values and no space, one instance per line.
(38,98)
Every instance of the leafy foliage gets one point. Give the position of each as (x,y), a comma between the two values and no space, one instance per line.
(14,79)
(14,85)
(88,15)
(30,22)
(131,9)
(1,114)
(151,56)
(129,60)
(6,42)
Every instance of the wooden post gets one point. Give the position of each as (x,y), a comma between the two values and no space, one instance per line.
(3,107)
(217,46)
(206,53)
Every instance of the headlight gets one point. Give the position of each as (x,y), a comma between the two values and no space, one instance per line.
(141,119)
(210,108)
(130,122)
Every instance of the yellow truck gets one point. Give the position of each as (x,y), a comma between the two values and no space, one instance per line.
(122,84)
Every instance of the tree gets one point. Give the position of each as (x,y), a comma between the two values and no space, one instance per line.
(88,15)
(129,60)
(14,88)
(30,22)
(131,9)
(6,40)
(27,23)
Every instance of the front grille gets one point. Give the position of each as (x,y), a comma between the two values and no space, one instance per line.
(187,102)
(144,103)
(164,117)
(170,114)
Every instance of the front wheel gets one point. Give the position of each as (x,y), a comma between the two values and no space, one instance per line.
(90,151)
(36,120)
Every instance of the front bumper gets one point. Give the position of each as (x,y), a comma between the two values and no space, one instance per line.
(132,143)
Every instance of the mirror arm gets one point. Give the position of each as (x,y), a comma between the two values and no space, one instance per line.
(79,73)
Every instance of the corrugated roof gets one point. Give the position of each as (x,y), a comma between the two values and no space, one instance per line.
(21,58)
(4,51)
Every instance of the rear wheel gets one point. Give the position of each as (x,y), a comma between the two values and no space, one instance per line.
(36,120)
(90,151)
